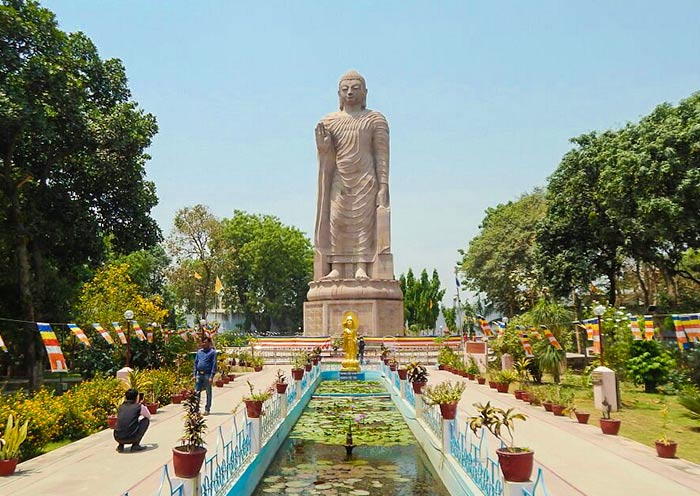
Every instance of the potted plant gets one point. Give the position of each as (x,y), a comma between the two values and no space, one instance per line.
(281,382)
(522,368)
(189,456)
(503,380)
(444,357)
(153,393)
(10,442)
(384,353)
(446,395)
(417,375)
(257,363)
(665,448)
(393,364)
(403,372)
(566,400)
(481,379)
(473,368)
(218,381)
(317,355)
(254,401)
(609,425)
(516,462)
(298,364)
(112,419)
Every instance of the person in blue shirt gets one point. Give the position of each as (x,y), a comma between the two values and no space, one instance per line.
(204,370)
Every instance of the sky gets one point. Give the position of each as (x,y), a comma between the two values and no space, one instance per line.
(481,97)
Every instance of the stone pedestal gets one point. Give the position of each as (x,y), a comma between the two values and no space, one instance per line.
(377,317)
(604,388)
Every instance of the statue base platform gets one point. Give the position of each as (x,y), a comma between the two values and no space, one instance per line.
(354,289)
(350,366)
(377,317)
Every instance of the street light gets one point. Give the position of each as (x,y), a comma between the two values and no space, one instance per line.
(599,310)
(128,315)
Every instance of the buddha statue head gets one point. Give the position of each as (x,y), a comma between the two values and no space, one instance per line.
(351,89)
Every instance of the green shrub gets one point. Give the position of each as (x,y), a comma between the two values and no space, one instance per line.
(649,364)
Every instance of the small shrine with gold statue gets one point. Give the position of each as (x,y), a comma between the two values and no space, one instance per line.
(350,364)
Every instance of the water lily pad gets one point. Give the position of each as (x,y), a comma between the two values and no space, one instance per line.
(297,483)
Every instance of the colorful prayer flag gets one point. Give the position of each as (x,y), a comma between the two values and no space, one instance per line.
(485,327)
(634,326)
(78,333)
(693,326)
(53,349)
(120,332)
(552,340)
(138,331)
(590,325)
(149,335)
(681,338)
(2,345)
(218,286)
(648,327)
(525,342)
(103,333)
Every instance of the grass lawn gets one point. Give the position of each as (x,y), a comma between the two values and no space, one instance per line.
(642,420)
(56,444)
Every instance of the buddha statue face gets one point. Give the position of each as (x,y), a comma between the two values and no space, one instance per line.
(349,323)
(352,90)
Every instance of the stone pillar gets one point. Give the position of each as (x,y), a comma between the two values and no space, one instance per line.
(506,361)
(403,388)
(445,426)
(420,406)
(255,436)
(297,384)
(190,487)
(283,404)
(604,388)
(517,488)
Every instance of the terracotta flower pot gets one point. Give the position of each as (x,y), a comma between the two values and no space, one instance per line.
(518,394)
(392,367)
(525,396)
(502,387)
(281,388)
(307,367)
(418,387)
(112,421)
(177,398)
(610,426)
(403,373)
(152,407)
(470,376)
(225,379)
(188,464)
(448,411)
(298,374)
(219,383)
(441,367)
(253,408)
(582,417)
(492,384)
(258,368)
(231,377)
(314,360)
(8,467)
(481,380)
(547,405)
(665,450)
(516,467)
(558,410)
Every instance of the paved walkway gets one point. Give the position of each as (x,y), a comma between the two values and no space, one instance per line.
(578,459)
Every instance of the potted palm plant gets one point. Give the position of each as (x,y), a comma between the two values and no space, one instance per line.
(189,456)
(254,401)
(417,375)
(446,395)
(522,368)
(257,363)
(609,425)
(281,382)
(503,380)
(516,462)
(14,436)
(298,363)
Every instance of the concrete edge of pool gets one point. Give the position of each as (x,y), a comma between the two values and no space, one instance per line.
(449,472)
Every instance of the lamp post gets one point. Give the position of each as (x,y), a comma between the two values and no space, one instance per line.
(128,315)
(599,310)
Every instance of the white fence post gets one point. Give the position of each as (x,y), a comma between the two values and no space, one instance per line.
(255,436)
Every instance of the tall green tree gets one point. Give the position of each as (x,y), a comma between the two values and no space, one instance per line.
(266,270)
(500,260)
(422,299)
(72,166)
(195,244)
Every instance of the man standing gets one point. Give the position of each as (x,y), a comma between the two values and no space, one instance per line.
(361,349)
(204,370)
(129,429)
